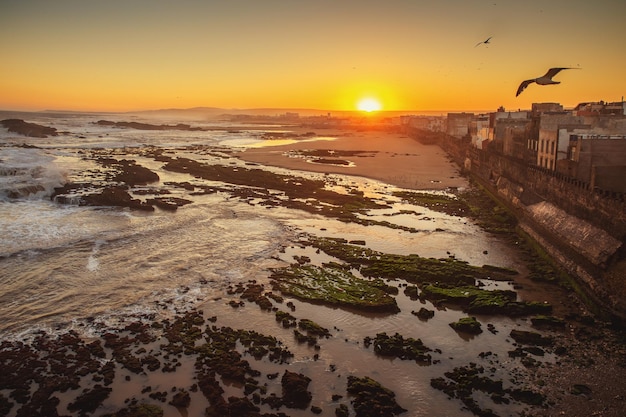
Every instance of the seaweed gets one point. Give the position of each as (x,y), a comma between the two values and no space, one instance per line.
(371,399)
(398,347)
(332,285)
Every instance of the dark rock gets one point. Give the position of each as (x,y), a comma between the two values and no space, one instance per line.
(147,126)
(550,322)
(241,407)
(138,410)
(467,325)
(527,396)
(129,172)
(90,400)
(580,389)
(168,203)
(342,411)
(372,399)
(412,292)
(181,399)
(399,347)
(28,129)
(313,329)
(115,196)
(424,314)
(295,393)
(531,338)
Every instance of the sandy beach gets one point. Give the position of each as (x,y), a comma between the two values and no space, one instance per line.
(392,158)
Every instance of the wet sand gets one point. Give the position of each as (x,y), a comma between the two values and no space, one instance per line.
(595,358)
(393,158)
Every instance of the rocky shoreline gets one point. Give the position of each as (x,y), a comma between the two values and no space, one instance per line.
(69,374)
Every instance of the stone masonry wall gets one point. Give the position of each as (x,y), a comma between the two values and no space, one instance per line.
(587,233)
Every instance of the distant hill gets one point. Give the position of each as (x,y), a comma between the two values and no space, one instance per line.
(204,113)
(211,112)
(217,111)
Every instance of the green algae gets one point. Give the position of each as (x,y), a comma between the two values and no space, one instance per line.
(138,410)
(399,347)
(467,325)
(333,286)
(313,328)
(464,382)
(302,193)
(412,268)
(531,338)
(445,280)
(475,300)
(286,319)
(551,322)
(372,399)
(437,202)
(424,314)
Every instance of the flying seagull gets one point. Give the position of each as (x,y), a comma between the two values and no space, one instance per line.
(543,80)
(486,42)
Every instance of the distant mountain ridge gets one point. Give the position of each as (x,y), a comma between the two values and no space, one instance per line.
(205,111)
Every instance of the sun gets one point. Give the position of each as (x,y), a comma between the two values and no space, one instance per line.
(369,105)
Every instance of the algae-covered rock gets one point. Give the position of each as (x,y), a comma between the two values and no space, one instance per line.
(424,314)
(399,347)
(475,300)
(181,399)
(531,338)
(333,286)
(372,399)
(295,393)
(549,322)
(467,325)
(313,329)
(138,410)
(286,319)
(90,399)
(342,411)
(580,389)
(443,203)
(412,268)
(463,382)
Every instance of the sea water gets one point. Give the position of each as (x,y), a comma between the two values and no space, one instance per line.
(65,266)
(62,262)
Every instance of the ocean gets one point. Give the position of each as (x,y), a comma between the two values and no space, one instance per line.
(70,267)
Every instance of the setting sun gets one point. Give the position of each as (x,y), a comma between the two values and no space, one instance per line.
(369,105)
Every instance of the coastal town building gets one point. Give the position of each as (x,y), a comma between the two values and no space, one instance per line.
(458,124)
(587,143)
(509,133)
(430,123)
(561,172)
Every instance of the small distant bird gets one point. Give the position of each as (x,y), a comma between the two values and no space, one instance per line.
(543,80)
(486,42)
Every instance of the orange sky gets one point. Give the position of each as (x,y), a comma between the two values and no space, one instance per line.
(121,55)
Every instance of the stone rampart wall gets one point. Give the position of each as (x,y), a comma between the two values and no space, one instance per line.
(604,209)
(529,191)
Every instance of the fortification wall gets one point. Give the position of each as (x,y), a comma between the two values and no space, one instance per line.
(583,230)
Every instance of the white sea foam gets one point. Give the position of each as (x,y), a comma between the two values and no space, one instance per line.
(28,173)
(92,262)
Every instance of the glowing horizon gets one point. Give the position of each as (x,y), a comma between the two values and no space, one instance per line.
(120,56)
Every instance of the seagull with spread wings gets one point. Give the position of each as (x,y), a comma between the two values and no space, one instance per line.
(543,80)
(486,42)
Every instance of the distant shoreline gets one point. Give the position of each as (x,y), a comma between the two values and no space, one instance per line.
(212,111)
(389,157)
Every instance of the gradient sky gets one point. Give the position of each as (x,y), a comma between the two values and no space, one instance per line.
(123,55)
